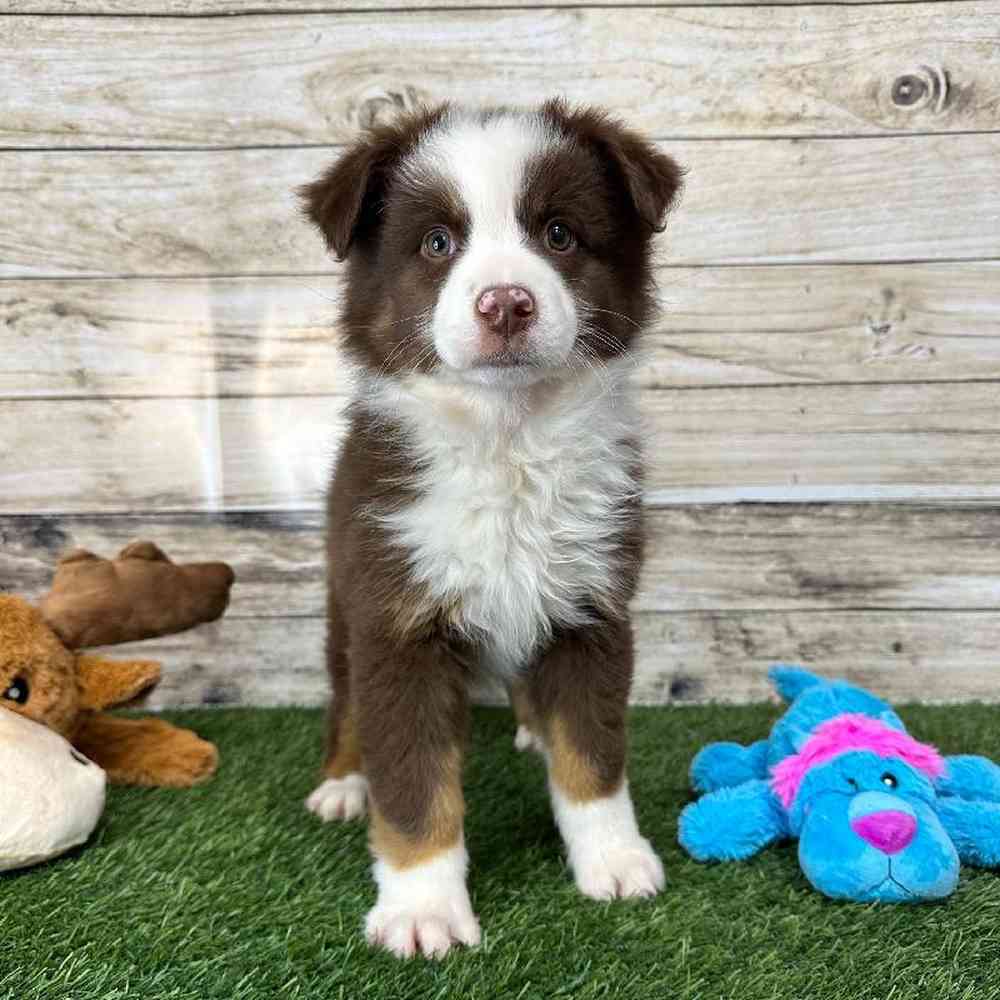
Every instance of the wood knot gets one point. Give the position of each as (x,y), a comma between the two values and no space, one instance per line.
(908,90)
(929,86)
(382,107)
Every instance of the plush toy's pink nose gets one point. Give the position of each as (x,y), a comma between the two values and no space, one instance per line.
(890,831)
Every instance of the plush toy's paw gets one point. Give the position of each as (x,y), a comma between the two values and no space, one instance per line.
(339,798)
(621,870)
(732,824)
(146,751)
(525,739)
(192,760)
(424,909)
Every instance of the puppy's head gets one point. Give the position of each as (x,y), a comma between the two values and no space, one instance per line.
(497,247)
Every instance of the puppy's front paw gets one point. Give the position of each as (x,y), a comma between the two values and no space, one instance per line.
(429,929)
(339,798)
(423,910)
(619,870)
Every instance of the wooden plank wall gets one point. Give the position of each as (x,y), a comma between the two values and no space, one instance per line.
(822,390)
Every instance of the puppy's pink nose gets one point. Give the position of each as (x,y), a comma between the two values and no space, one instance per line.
(889,831)
(506,309)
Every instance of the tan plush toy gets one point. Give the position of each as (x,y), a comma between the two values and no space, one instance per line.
(95,601)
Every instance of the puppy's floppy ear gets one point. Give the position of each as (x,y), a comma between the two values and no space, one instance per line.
(651,178)
(348,196)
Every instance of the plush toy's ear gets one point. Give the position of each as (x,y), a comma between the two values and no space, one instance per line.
(651,178)
(106,683)
(974,828)
(732,824)
(790,681)
(970,777)
(346,199)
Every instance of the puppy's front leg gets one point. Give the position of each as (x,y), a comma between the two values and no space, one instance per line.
(411,706)
(579,691)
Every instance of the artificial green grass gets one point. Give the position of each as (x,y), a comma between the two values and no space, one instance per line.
(232,891)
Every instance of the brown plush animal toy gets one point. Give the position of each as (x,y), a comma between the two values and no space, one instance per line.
(95,601)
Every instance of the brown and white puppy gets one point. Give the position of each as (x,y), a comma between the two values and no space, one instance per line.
(485,510)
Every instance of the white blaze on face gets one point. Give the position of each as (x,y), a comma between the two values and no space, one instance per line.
(486,162)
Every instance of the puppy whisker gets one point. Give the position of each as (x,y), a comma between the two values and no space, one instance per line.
(395,353)
(611,312)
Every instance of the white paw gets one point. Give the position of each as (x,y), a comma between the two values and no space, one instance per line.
(423,910)
(608,855)
(525,739)
(428,930)
(339,798)
(623,870)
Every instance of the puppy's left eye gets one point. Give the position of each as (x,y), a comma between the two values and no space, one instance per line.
(889,780)
(559,237)
(437,243)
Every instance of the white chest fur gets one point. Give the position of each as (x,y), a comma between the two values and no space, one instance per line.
(516,521)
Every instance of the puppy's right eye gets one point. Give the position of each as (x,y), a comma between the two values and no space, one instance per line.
(16,691)
(437,243)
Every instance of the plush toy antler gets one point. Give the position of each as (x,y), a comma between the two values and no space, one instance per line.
(141,594)
(95,601)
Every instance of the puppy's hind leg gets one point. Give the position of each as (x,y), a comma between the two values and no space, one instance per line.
(528,735)
(343,792)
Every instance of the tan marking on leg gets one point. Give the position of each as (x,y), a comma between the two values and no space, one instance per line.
(346,757)
(570,769)
(441,829)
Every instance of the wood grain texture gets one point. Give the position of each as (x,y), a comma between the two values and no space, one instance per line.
(213,8)
(924,656)
(719,327)
(167,455)
(726,593)
(793,442)
(681,658)
(746,202)
(747,558)
(183,337)
(695,72)
(816,442)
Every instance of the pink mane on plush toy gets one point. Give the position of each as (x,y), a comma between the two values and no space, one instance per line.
(852,732)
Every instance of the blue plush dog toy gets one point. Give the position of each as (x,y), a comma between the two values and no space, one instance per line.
(878,815)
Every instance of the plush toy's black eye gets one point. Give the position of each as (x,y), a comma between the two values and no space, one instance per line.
(852,783)
(79,758)
(889,780)
(17,691)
